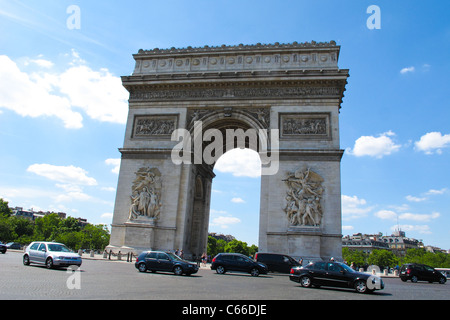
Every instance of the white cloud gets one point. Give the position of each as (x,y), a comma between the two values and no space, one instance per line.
(240,162)
(433,142)
(28,96)
(353,207)
(386,214)
(424,229)
(115,163)
(392,215)
(42,63)
(407,70)
(436,192)
(68,175)
(58,94)
(348,228)
(238,200)
(419,217)
(374,146)
(99,93)
(107,215)
(415,199)
(224,222)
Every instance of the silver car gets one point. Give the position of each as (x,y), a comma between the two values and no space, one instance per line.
(50,254)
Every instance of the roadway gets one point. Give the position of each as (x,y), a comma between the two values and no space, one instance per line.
(120,280)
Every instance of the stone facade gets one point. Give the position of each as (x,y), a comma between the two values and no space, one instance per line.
(295,88)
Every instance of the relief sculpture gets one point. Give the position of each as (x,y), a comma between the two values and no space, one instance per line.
(292,126)
(303,207)
(146,194)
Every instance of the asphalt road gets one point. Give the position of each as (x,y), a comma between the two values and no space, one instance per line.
(116,280)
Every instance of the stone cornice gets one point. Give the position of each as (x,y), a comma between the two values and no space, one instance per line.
(259,57)
(240,47)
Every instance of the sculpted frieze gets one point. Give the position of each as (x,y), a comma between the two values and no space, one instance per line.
(154,125)
(303,200)
(309,124)
(158,94)
(146,195)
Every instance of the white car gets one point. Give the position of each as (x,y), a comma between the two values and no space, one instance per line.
(50,254)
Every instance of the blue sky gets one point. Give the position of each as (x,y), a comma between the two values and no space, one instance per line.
(63,109)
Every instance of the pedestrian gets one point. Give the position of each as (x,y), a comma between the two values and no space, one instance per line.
(300,261)
(181,254)
(204,259)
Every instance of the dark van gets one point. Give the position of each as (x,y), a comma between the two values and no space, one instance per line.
(277,262)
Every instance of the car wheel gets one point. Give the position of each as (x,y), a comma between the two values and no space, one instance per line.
(254,272)
(49,263)
(442,280)
(305,281)
(220,270)
(178,270)
(361,286)
(142,267)
(403,279)
(414,279)
(26,260)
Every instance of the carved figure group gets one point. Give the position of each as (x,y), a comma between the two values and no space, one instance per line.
(304,126)
(303,206)
(146,194)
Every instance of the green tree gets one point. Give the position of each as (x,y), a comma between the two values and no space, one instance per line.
(237,246)
(46,227)
(382,258)
(95,236)
(4,208)
(6,232)
(356,256)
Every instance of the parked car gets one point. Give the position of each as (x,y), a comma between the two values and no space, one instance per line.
(50,254)
(14,245)
(164,261)
(416,272)
(3,248)
(335,274)
(224,262)
(277,262)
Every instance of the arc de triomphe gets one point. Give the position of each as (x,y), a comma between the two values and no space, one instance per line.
(184,102)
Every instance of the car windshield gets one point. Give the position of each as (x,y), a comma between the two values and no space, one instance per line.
(174,256)
(346,267)
(58,247)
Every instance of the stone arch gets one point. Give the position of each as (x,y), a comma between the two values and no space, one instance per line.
(294,90)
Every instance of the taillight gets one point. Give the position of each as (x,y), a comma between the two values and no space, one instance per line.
(408,271)
(214,259)
(292,270)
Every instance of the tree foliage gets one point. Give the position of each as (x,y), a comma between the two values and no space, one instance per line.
(52,228)
(386,258)
(216,246)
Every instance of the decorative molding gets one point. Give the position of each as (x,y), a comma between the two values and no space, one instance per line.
(241,57)
(260,115)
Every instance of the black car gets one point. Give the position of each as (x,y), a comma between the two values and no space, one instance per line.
(224,262)
(416,272)
(335,274)
(14,245)
(164,261)
(277,262)
(3,248)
